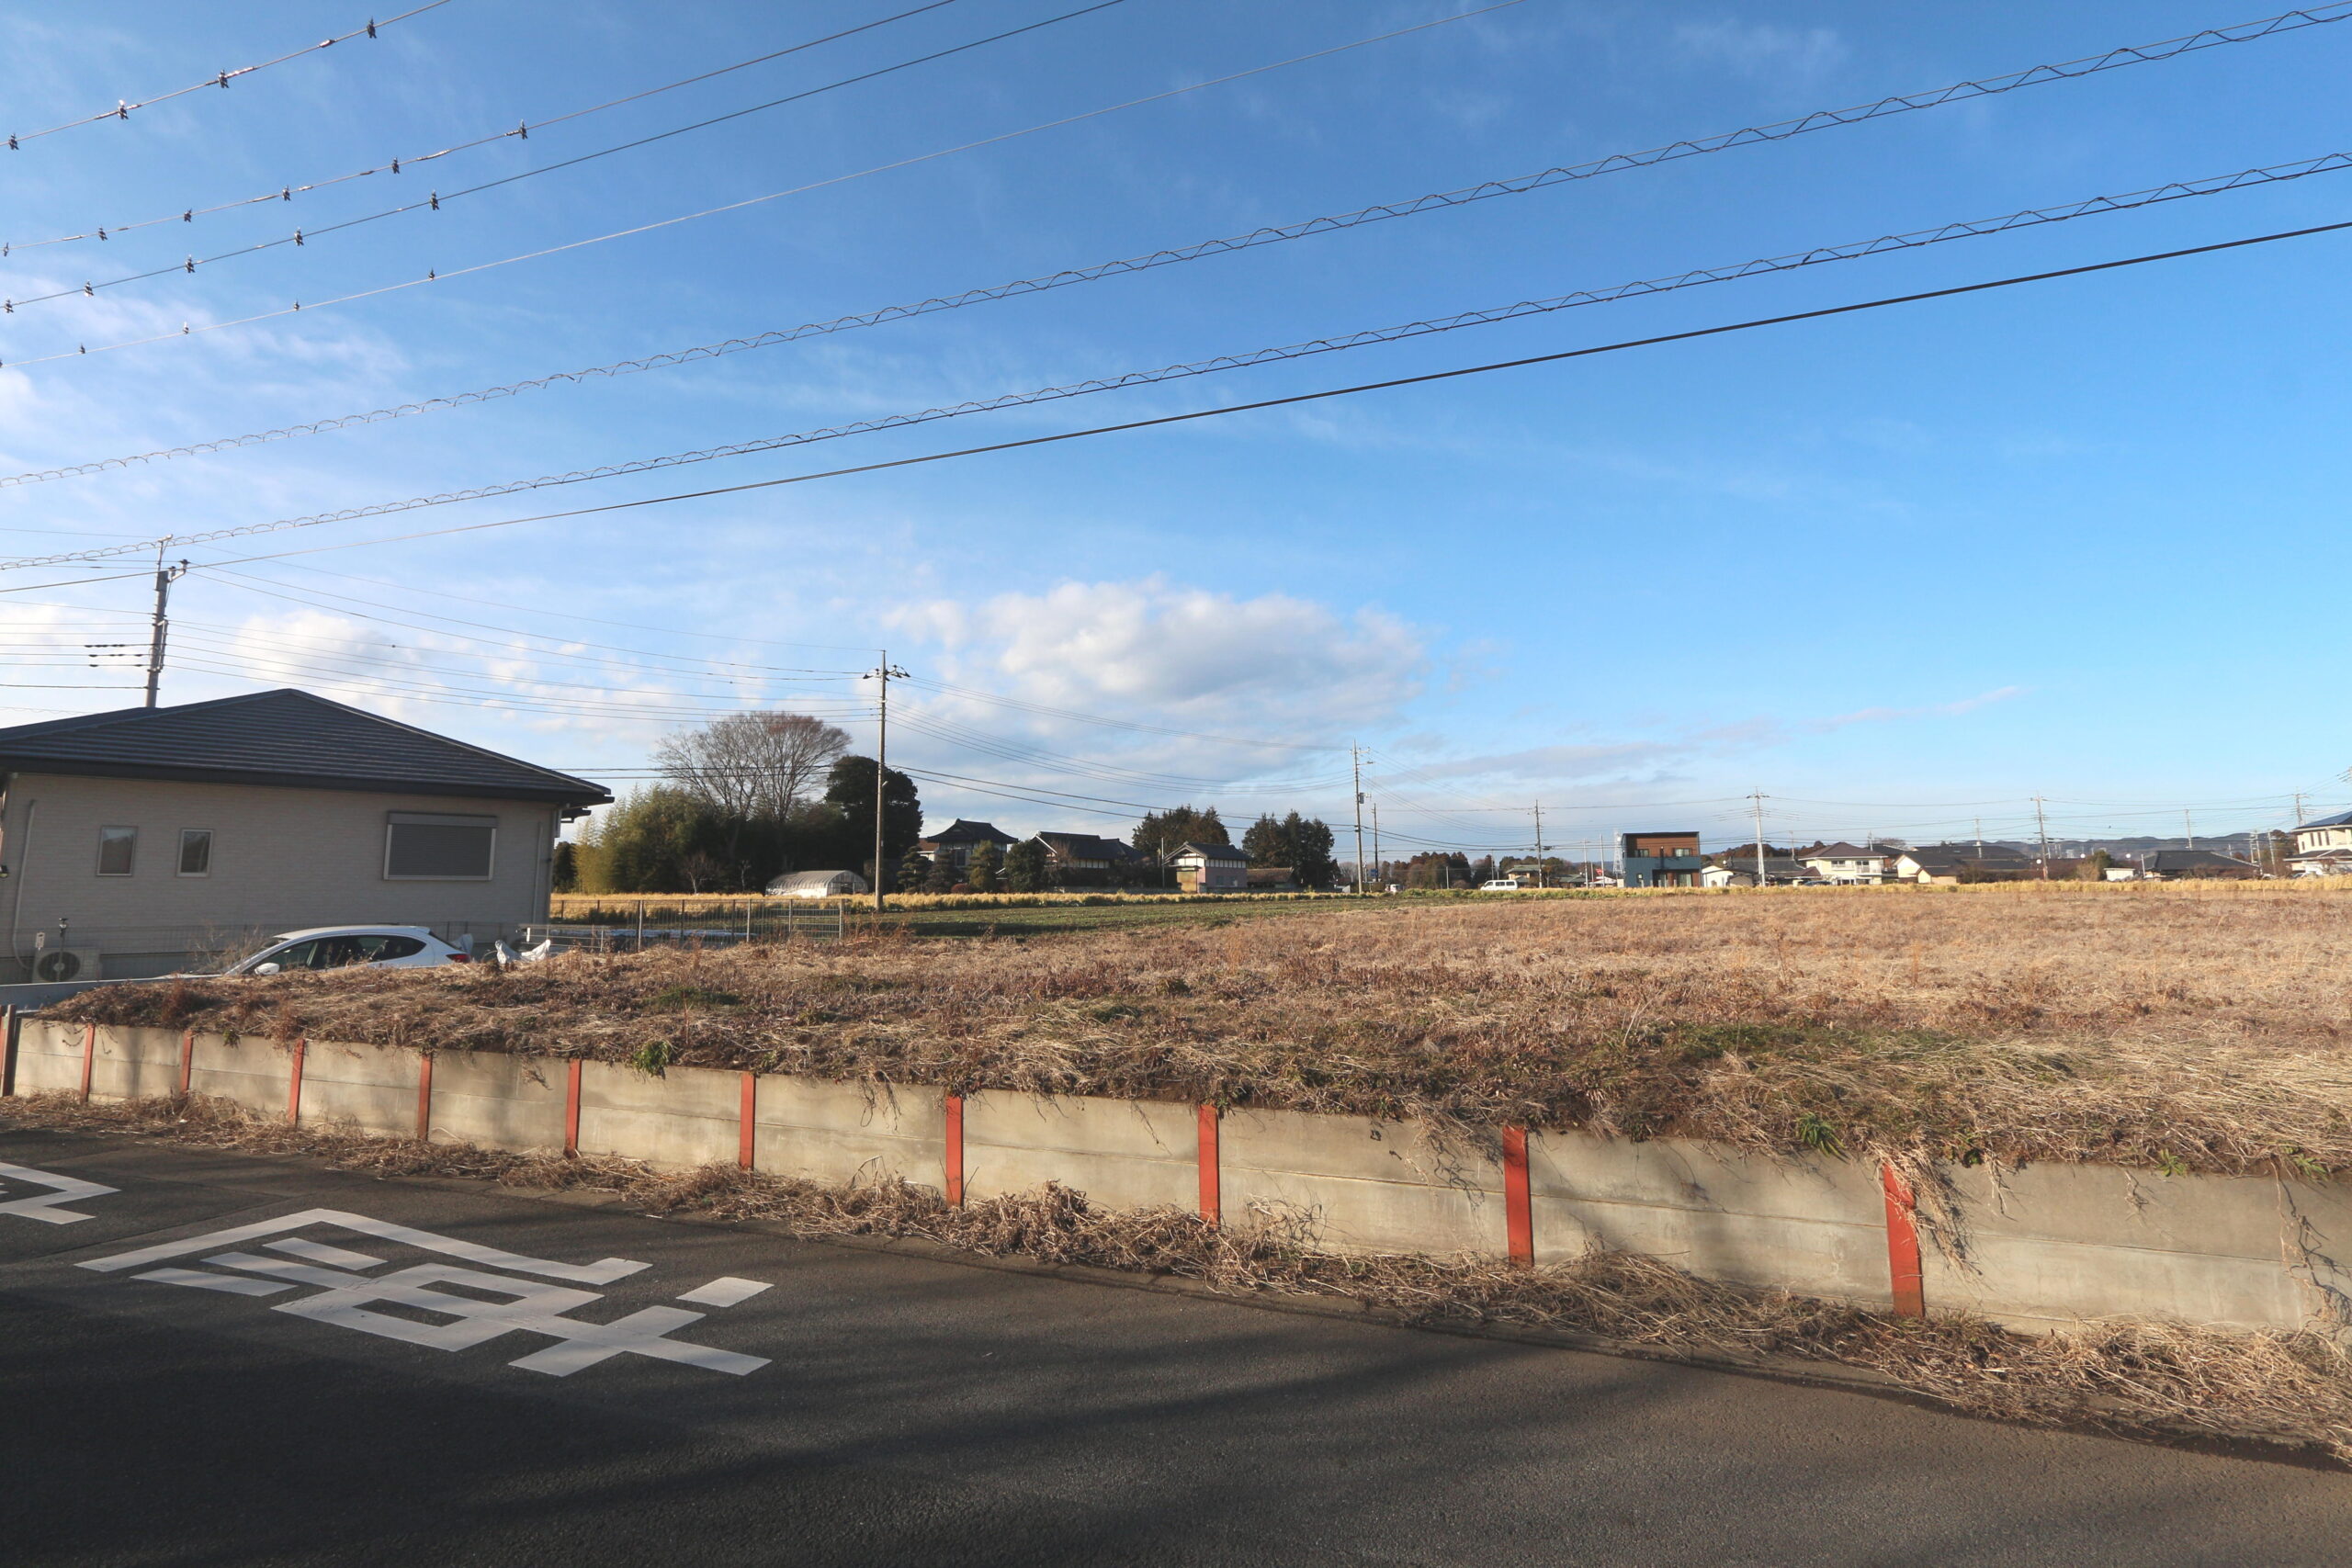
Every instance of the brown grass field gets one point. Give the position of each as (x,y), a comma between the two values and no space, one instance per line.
(2182,1027)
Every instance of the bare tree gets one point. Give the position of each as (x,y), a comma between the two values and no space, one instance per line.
(751,765)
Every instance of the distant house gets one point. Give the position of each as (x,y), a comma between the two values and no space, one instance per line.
(956,842)
(2171,865)
(1211,868)
(2323,847)
(135,841)
(1735,872)
(1273,879)
(1845,862)
(1663,860)
(818,885)
(1085,857)
(1957,862)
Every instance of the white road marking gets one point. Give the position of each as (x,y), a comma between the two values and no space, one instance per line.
(204,1281)
(342,1294)
(604,1271)
(62,1190)
(320,1252)
(724,1292)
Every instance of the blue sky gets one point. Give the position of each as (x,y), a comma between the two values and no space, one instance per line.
(1898,570)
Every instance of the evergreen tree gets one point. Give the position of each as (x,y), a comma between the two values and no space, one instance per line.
(1025,868)
(849,793)
(914,869)
(981,873)
(1161,834)
(566,873)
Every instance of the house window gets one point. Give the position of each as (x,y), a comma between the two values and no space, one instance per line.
(196,851)
(426,846)
(115,849)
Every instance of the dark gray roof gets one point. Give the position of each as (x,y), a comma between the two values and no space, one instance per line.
(284,738)
(2341,819)
(2190,860)
(963,832)
(1211,852)
(1086,846)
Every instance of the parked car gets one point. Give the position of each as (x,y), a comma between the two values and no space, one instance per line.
(1500,884)
(346,947)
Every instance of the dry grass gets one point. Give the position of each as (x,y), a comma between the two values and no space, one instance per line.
(2184,1028)
(2128,1379)
(607,908)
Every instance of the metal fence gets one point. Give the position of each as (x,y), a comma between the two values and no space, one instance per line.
(757,922)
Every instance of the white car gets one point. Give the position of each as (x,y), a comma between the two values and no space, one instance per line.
(344,947)
(1501,884)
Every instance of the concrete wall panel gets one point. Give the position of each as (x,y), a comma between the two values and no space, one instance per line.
(49,1057)
(850,1131)
(1808,1224)
(1122,1154)
(496,1101)
(687,1117)
(2054,1245)
(136,1064)
(1368,1186)
(250,1072)
(371,1089)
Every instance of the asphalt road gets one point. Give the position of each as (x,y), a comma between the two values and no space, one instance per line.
(908,1411)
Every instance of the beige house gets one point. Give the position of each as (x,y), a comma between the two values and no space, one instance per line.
(2323,847)
(1847,863)
(140,839)
(1211,868)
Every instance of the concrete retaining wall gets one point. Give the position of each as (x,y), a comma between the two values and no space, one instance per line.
(1367,1186)
(844,1132)
(2046,1248)
(1816,1227)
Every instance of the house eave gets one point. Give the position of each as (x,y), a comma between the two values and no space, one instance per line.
(581,793)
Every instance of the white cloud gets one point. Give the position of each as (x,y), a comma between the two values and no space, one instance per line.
(1793,55)
(1155,650)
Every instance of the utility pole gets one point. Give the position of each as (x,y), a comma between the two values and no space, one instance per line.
(2189,823)
(1542,877)
(885,673)
(1379,867)
(1355,759)
(165,577)
(1758,796)
(2042,832)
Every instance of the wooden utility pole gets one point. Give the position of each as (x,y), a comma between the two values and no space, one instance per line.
(165,577)
(885,673)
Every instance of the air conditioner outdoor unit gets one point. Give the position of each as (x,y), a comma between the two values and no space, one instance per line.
(66,963)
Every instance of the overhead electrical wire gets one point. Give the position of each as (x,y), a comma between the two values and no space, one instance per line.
(2214,184)
(1775,131)
(123,107)
(520,131)
(285,524)
(435,200)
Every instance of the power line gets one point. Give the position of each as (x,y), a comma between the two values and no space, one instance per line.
(1775,131)
(1190,415)
(435,199)
(1642,288)
(122,108)
(521,130)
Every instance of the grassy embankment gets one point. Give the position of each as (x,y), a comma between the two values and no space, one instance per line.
(2183,1027)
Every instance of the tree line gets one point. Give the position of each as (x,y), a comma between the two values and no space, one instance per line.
(750,796)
